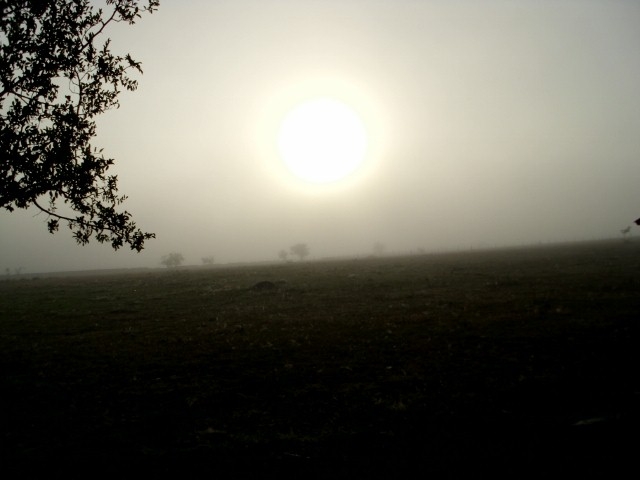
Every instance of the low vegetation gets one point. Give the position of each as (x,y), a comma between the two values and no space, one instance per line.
(519,361)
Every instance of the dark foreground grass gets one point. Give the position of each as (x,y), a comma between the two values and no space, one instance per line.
(519,362)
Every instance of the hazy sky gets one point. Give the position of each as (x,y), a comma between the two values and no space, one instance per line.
(489,123)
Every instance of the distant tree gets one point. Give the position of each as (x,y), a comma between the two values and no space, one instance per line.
(300,249)
(379,248)
(283,255)
(55,78)
(173,260)
(16,271)
(207,260)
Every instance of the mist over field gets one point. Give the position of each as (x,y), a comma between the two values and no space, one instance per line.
(489,124)
(406,233)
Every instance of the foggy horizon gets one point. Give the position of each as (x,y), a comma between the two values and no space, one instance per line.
(489,124)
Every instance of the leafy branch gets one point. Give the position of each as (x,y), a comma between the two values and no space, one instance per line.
(46,129)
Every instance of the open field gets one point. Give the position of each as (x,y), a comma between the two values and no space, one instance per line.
(521,361)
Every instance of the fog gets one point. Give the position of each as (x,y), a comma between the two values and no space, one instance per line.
(490,123)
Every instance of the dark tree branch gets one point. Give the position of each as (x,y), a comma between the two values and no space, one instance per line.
(46,134)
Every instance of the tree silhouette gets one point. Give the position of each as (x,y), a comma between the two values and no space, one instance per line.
(173,260)
(55,78)
(379,249)
(300,249)
(283,255)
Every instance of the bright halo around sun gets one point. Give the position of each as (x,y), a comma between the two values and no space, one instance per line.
(322,141)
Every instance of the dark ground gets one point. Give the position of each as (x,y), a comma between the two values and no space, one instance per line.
(520,363)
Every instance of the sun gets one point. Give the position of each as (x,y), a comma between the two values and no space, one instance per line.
(322,140)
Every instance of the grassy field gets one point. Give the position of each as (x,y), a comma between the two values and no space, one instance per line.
(518,361)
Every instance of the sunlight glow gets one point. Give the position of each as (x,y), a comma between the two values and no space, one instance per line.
(322,141)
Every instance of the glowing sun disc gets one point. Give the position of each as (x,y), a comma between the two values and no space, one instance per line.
(322,141)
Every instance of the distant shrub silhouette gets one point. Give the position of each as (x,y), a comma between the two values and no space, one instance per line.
(379,249)
(300,250)
(173,260)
